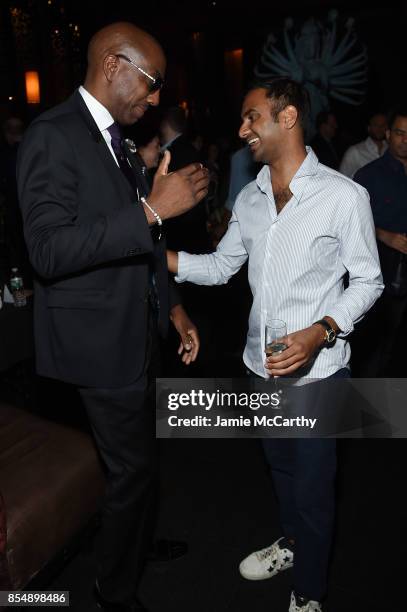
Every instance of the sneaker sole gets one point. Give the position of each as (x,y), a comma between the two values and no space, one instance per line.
(269,574)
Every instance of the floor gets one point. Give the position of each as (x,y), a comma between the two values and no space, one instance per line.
(216,494)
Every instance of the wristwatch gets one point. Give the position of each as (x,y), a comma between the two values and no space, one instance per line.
(330,333)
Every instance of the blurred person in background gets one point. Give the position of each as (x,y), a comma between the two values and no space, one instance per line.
(243,170)
(146,148)
(16,250)
(188,231)
(386,181)
(362,153)
(323,143)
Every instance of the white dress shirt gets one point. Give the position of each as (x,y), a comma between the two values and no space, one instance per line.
(298,259)
(101,116)
(359,155)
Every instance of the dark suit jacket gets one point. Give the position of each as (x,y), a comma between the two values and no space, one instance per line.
(325,151)
(183,153)
(91,247)
(188,231)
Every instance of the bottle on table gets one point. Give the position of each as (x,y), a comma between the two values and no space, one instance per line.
(17,288)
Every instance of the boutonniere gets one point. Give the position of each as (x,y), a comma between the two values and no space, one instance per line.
(131,144)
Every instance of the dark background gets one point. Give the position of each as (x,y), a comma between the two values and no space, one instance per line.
(40,35)
(217,494)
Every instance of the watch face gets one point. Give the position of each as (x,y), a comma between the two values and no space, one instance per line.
(330,335)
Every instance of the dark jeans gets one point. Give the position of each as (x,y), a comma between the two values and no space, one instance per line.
(303,472)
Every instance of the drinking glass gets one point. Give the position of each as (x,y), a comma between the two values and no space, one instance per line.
(275,341)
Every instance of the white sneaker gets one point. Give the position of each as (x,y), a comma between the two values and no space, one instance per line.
(304,606)
(267,562)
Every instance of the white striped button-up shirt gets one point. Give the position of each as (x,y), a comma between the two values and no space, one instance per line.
(298,259)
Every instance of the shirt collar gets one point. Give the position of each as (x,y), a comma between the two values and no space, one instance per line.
(308,168)
(372,146)
(100,114)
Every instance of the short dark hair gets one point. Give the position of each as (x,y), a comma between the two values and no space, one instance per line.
(176,118)
(286,92)
(399,111)
(144,132)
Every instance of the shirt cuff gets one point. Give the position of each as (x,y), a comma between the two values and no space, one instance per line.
(342,319)
(181,276)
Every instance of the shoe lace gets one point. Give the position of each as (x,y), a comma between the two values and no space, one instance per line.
(271,551)
(266,552)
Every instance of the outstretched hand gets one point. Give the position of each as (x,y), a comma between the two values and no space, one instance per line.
(174,193)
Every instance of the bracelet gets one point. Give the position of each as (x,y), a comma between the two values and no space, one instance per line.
(154,212)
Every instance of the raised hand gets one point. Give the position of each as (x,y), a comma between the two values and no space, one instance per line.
(176,192)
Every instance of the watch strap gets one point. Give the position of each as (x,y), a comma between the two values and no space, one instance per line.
(330,333)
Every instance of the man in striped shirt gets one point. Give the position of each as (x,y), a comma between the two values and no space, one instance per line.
(302,226)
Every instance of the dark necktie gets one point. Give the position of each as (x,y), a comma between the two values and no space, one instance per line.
(138,187)
(124,165)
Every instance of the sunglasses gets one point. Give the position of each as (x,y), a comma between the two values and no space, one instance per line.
(155,82)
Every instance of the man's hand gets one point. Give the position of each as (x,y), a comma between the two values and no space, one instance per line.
(172,261)
(393,240)
(301,346)
(188,332)
(175,193)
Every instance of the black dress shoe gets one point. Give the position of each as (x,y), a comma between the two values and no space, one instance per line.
(109,606)
(163,551)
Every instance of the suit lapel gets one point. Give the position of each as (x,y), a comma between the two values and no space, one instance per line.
(102,150)
(137,168)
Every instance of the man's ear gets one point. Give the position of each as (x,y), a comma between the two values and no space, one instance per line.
(110,67)
(289,117)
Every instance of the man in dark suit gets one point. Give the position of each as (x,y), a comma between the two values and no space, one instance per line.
(173,137)
(102,284)
(188,231)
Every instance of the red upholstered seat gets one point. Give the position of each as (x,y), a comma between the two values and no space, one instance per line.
(51,483)
(4,575)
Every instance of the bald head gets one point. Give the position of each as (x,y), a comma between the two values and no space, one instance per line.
(120,37)
(120,58)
